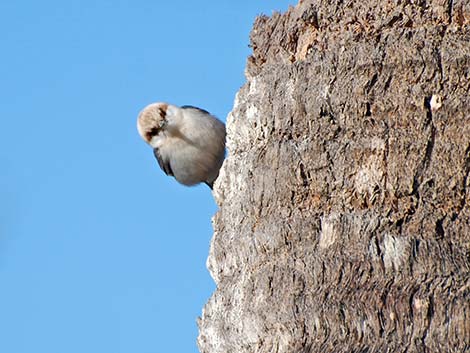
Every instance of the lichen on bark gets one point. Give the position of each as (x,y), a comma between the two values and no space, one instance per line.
(344,220)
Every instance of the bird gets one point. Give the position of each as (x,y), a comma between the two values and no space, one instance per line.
(188,142)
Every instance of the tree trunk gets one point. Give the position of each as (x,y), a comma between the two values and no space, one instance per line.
(344,221)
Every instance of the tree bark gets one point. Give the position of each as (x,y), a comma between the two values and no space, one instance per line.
(344,220)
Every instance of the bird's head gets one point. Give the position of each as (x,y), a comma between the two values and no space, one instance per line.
(152,120)
(155,118)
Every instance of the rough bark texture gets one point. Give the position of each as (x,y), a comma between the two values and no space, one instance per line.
(344,221)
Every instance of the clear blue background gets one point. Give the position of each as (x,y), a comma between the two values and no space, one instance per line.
(99,251)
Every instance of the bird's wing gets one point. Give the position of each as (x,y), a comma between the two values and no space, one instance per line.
(193,107)
(163,163)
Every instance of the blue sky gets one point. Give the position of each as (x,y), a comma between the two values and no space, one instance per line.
(99,250)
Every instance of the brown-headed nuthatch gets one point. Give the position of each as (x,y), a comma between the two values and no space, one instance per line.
(188,142)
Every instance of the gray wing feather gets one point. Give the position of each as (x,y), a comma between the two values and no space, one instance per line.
(163,163)
(193,107)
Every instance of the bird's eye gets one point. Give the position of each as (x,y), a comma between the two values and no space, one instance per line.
(153,132)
